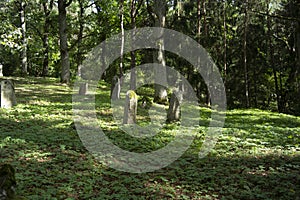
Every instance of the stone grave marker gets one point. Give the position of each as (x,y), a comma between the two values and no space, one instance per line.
(7,94)
(174,107)
(130,110)
(83,88)
(115,88)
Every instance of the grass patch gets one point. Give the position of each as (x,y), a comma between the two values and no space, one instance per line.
(256,157)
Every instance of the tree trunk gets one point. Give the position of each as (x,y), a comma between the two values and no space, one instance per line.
(47,12)
(121,11)
(245,55)
(133,12)
(199,20)
(272,63)
(205,18)
(208,98)
(24,38)
(297,71)
(161,95)
(65,62)
(80,33)
(225,44)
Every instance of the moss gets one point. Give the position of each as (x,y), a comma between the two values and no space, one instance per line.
(132,94)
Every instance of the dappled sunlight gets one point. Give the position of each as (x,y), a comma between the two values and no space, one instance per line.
(39,102)
(257,150)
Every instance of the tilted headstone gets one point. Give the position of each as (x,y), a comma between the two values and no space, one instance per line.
(7,94)
(174,107)
(130,108)
(115,88)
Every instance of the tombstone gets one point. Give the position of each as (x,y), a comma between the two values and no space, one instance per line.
(130,110)
(83,88)
(173,114)
(1,70)
(115,88)
(7,94)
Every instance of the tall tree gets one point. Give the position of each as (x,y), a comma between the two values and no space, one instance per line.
(121,13)
(22,10)
(246,21)
(225,42)
(80,32)
(134,11)
(63,38)
(47,8)
(161,95)
(271,57)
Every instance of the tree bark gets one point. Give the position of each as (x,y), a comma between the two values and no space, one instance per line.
(121,11)
(272,63)
(47,11)
(205,18)
(225,43)
(161,95)
(297,71)
(65,60)
(133,13)
(199,20)
(24,38)
(205,32)
(80,33)
(245,55)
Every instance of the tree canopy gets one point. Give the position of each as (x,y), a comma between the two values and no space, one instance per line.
(255,44)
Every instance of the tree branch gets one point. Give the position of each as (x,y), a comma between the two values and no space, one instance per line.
(150,11)
(282,40)
(40,34)
(51,5)
(275,16)
(68,3)
(138,7)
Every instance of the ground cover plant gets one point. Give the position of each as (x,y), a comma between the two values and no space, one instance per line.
(257,155)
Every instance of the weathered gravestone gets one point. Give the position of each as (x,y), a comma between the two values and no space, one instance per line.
(83,88)
(174,107)
(7,94)
(115,88)
(130,108)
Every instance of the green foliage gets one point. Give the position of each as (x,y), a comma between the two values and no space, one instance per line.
(222,34)
(256,157)
(7,182)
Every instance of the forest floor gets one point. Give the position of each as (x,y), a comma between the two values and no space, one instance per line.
(257,156)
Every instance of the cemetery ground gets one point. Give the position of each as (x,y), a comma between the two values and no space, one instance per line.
(257,155)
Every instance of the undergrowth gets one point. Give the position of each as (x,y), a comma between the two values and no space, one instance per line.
(257,155)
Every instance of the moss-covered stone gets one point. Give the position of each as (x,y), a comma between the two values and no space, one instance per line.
(130,110)
(131,94)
